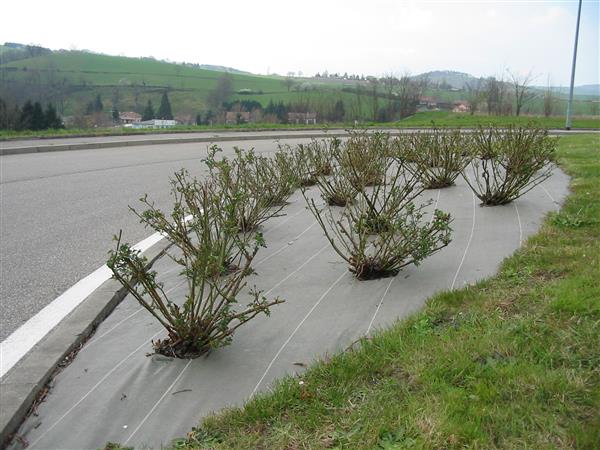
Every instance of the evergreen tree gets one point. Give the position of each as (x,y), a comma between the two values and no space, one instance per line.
(338,111)
(51,118)
(98,106)
(115,115)
(25,119)
(148,112)
(38,120)
(164,110)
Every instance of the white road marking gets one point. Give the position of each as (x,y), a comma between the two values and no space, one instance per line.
(158,402)
(466,248)
(287,341)
(94,388)
(23,339)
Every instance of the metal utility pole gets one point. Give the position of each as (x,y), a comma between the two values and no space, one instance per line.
(570,104)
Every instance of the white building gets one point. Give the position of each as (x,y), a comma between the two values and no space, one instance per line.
(155,123)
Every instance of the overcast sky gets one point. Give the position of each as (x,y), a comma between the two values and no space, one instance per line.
(370,37)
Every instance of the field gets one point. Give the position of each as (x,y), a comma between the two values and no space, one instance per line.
(71,79)
(511,362)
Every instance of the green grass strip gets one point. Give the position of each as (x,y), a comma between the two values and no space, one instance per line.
(511,362)
(419,120)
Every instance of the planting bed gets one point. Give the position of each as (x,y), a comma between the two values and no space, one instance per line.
(114,391)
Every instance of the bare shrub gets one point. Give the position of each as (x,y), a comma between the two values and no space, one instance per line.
(438,156)
(336,190)
(507,163)
(382,230)
(364,158)
(215,261)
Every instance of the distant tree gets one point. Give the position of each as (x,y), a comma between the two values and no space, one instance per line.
(495,96)
(51,118)
(164,110)
(475,94)
(549,100)
(221,92)
(199,119)
(521,89)
(98,106)
(38,120)
(115,115)
(148,113)
(26,117)
(288,82)
(339,111)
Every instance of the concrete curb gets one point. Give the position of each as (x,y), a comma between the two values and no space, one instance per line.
(217,138)
(20,387)
(180,140)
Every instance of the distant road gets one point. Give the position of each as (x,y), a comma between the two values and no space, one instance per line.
(59,211)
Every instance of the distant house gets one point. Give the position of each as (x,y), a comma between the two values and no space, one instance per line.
(130,117)
(236,117)
(461,106)
(155,123)
(302,117)
(428,102)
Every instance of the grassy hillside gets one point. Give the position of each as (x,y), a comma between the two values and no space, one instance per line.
(130,82)
(71,79)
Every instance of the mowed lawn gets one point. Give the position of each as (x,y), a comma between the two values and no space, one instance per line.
(512,362)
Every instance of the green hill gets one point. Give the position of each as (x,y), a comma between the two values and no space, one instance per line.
(71,79)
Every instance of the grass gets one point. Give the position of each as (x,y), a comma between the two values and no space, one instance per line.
(511,362)
(449,119)
(419,120)
(77,77)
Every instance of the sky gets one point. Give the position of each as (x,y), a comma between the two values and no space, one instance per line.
(370,37)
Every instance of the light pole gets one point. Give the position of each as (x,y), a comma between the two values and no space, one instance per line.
(570,104)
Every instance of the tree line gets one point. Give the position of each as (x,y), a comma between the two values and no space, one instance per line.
(31,116)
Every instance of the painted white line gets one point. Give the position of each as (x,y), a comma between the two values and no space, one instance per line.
(158,402)
(287,341)
(466,248)
(24,338)
(266,258)
(435,205)
(15,346)
(520,227)
(93,388)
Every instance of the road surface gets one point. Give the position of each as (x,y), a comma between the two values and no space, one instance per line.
(59,211)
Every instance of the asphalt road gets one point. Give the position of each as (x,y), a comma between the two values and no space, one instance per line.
(59,211)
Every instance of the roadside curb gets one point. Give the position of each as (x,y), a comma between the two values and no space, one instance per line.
(22,384)
(180,140)
(256,135)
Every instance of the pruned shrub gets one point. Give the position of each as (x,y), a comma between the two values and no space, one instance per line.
(437,156)
(363,158)
(336,190)
(383,230)
(507,163)
(274,178)
(215,260)
(239,187)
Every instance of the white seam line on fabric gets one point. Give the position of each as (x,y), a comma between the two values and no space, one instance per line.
(467,247)
(158,402)
(94,387)
(294,332)
(393,278)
